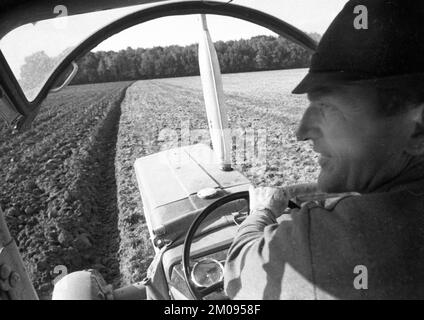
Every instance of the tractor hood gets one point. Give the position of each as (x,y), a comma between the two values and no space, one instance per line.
(172,184)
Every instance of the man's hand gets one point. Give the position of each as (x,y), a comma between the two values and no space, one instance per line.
(273,199)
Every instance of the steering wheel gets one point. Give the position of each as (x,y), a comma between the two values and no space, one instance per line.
(200,293)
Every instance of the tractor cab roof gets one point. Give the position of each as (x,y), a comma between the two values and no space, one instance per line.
(15,13)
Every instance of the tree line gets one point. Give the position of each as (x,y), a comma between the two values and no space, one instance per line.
(255,54)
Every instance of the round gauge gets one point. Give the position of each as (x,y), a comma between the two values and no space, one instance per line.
(207,272)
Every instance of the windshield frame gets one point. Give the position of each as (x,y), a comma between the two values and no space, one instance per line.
(140,16)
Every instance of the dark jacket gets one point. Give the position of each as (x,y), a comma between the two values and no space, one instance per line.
(368,246)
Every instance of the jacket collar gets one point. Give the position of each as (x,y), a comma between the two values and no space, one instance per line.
(412,178)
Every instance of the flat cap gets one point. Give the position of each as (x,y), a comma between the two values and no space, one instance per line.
(376,41)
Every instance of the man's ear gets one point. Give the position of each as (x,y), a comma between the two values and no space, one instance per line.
(415,145)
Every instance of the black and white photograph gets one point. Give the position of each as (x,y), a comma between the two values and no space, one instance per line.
(224,150)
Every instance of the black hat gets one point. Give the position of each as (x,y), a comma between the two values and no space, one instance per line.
(390,49)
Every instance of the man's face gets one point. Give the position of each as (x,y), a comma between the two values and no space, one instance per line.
(359,149)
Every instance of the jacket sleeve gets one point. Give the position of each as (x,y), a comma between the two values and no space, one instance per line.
(270,260)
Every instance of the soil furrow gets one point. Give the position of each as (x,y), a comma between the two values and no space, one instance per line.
(59,192)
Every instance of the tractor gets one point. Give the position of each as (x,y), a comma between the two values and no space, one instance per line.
(180,188)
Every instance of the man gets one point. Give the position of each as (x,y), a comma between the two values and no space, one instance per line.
(366,120)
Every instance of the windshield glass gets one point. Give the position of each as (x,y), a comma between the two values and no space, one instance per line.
(34,50)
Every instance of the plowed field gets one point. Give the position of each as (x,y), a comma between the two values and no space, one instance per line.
(58,186)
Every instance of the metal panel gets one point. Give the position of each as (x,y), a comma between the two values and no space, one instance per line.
(169,182)
(171,175)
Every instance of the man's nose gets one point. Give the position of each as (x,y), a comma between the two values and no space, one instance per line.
(309,125)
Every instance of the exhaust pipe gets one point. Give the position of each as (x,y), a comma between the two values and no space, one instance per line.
(213,94)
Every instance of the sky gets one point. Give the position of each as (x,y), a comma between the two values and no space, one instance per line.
(307,15)
(55,35)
